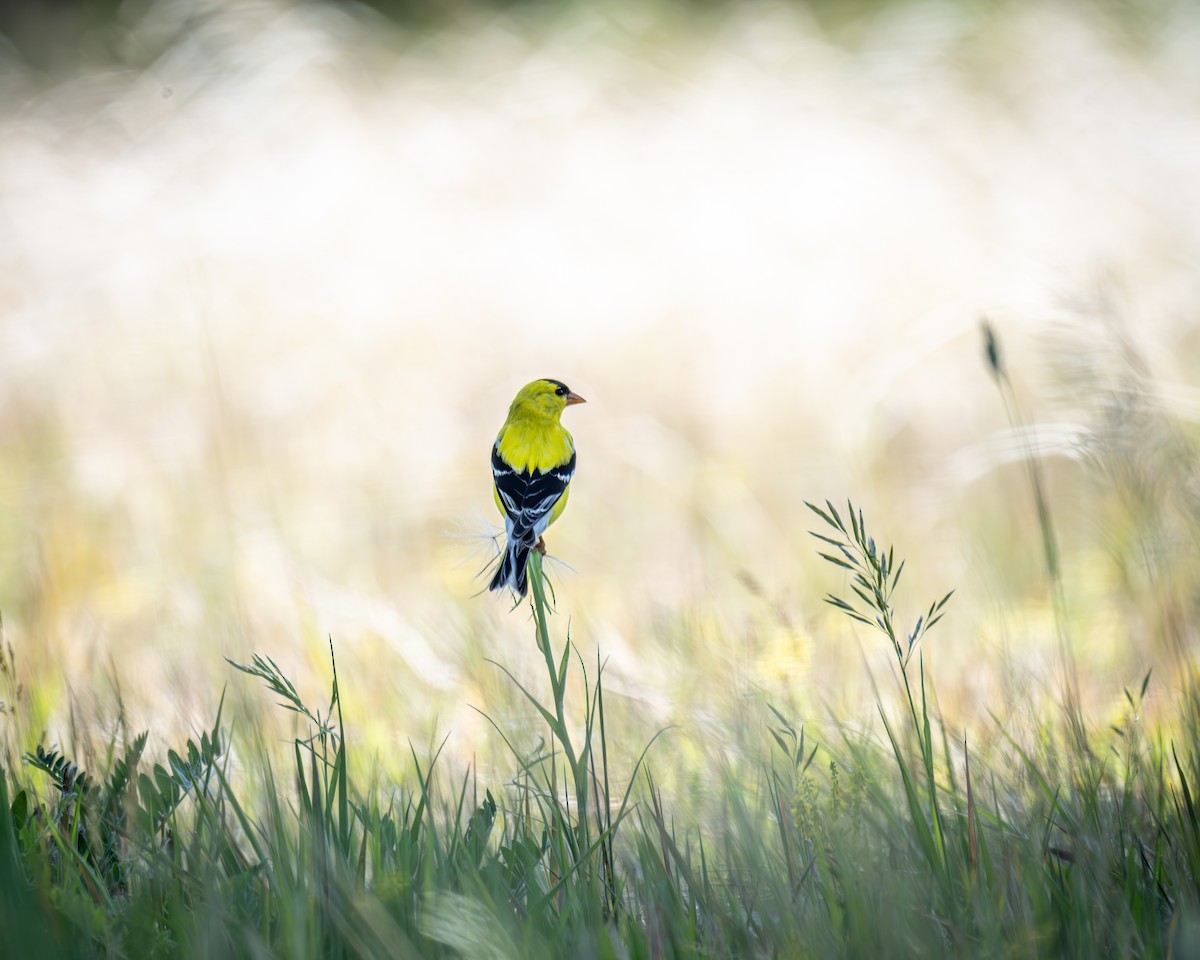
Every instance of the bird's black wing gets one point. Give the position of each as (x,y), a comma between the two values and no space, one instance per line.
(528,497)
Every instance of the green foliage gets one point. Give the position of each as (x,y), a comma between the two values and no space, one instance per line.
(902,844)
(876,575)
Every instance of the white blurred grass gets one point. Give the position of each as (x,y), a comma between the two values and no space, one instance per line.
(264,302)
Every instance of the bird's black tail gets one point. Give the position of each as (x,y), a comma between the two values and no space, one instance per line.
(514,568)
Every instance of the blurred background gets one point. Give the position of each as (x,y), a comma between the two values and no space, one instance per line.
(271,272)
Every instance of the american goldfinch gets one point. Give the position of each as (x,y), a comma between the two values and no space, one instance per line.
(532,464)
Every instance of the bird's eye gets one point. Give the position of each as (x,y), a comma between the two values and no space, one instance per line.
(561,391)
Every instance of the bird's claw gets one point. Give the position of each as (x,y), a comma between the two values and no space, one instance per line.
(540,546)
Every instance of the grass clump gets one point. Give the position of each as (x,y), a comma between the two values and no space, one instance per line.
(906,841)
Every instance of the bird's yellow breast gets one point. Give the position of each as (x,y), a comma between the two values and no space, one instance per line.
(527,445)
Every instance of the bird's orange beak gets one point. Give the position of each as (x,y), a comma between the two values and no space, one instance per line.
(574,398)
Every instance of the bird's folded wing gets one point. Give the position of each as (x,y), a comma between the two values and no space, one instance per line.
(528,497)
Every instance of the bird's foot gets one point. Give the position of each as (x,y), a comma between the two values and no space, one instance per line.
(540,546)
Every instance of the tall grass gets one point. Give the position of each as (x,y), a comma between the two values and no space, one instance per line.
(910,843)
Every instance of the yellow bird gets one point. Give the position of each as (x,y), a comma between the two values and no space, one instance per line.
(533,461)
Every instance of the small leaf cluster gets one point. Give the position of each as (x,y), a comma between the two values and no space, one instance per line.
(83,829)
(875,576)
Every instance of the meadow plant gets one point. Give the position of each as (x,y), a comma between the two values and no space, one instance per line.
(908,844)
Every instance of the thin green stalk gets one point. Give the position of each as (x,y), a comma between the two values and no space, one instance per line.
(558,684)
(1033,470)
(875,575)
